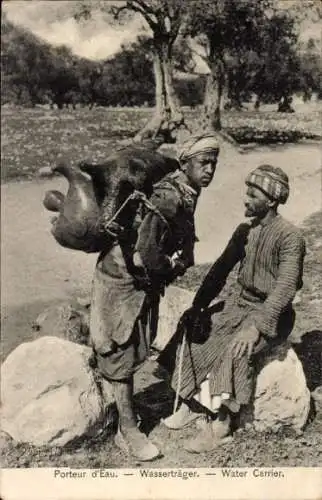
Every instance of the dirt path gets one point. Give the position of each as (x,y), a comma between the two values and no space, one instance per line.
(36,271)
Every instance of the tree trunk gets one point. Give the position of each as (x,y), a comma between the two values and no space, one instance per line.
(257,102)
(234,101)
(168,117)
(284,105)
(213,97)
(211,117)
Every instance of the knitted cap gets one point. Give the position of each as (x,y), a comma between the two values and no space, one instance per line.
(273,181)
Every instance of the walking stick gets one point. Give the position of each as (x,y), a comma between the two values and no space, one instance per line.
(176,401)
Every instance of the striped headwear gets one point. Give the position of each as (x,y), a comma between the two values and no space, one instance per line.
(273,181)
(196,145)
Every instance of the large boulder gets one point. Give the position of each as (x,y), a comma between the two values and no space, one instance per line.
(69,321)
(50,395)
(282,398)
(175,301)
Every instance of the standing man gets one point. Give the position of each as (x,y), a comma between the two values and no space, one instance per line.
(216,376)
(131,276)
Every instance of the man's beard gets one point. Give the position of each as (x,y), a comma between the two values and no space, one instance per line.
(257,213)
(248,212)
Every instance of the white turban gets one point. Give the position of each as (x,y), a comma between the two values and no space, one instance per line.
(197,145)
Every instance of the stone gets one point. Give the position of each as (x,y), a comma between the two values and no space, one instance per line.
(175,301)
(69,321)
(50,395)
(282,398)
(45,172)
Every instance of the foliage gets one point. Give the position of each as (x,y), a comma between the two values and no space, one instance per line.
(128,79)
(278,62)
(19,52)
(190,89)
(310,69)
(32,71)
(256,45)
(226,30)
(35,73)
(226,27)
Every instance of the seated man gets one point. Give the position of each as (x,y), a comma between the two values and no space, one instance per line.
(218,372)
(130,277)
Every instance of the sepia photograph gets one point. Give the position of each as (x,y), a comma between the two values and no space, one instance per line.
(161,249)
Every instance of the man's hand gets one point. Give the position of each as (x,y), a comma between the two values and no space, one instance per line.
(137,260)
(197,323)
(244,341)
(190,315)
(141,279)
(179,267)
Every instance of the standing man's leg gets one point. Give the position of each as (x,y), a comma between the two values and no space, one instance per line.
(128,436)
(118,369)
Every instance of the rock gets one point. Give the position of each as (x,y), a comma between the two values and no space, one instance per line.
(5,440)
(282,398)
(69,321)
(45,172)
(50,395)
(175,301)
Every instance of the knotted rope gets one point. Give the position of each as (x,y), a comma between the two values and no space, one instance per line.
(135,196)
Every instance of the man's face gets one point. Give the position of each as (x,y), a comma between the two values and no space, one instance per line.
(201,168)
(257,203)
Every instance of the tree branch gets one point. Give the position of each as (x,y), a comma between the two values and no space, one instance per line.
(141,8)
(203,57)
(117,10)
(145,11)
(176,24)
(143,5)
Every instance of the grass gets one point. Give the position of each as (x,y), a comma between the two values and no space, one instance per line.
(34,138)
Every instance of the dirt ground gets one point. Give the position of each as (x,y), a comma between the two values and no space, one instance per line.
(36,272)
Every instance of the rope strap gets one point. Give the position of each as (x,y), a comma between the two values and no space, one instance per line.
(135,196)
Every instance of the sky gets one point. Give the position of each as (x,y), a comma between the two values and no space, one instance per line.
(53,21)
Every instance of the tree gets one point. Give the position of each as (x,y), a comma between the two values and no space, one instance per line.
(225,30)
(34,72)
(164,19)
(89,76)
(277,76)
(24,63)
(310,69)
(128,77)
(62,78)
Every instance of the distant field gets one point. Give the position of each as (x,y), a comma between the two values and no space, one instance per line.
(32,138)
